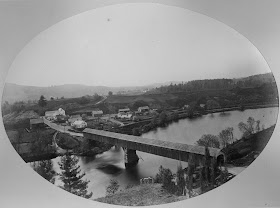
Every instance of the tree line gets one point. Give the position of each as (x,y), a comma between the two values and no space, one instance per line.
(226,137)
(208,84)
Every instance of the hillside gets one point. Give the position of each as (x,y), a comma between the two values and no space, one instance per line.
(214,84)
(244,151)
(142,195)
(266,93)
(14,92)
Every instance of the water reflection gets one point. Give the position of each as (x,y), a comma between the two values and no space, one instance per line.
(110,165)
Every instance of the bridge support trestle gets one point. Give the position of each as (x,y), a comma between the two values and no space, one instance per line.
(130,158)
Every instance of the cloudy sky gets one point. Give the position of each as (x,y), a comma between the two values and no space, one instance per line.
(134,45)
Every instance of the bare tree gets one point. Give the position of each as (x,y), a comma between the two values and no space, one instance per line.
(209,140)
(250,127)
(226,136)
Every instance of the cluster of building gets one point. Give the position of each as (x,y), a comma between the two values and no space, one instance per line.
(76,120)
(126,113)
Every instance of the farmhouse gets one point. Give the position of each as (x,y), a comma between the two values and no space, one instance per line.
(125,110)
(51,115)
(74,118)
(125,115)
(97,113)
(143,109)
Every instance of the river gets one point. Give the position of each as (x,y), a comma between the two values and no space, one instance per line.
(110,164)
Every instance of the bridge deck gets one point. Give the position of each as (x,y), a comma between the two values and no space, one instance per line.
(153,146)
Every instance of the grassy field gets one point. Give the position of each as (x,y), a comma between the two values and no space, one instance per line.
(142,195)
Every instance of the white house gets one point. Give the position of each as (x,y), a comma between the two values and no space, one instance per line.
(74,118)
(125,110)
(79,124)
(125,115)
(51,115)
(143,109)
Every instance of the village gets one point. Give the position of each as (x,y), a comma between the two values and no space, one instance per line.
(124,119)
(96,118)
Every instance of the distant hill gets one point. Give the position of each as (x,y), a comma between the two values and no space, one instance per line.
(14,92)
(214,84)
(256,79)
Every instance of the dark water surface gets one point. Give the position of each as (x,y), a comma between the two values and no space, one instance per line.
(110,164)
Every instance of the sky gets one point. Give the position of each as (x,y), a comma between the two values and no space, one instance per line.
(135,45)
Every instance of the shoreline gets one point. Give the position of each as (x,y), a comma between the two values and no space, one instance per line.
(51,155)
(184,115)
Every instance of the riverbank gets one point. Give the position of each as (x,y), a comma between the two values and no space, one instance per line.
(244,151)
(242,108)
(141,195)
(145,126)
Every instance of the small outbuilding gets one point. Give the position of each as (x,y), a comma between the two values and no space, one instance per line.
(36,123)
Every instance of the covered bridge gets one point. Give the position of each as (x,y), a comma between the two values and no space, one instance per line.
(168,149)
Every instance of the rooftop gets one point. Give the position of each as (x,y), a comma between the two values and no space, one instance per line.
(36,121)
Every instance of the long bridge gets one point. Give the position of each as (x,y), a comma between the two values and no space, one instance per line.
(131,144)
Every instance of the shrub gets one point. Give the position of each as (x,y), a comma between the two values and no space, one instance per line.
(113,187)
(165,177)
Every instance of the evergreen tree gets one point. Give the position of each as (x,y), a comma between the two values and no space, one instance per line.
(213,171)
(165,177)
(110,93)
(42,101)
(71,177)
(207,163)
(206,174)
(181,183)
(190,172)
(45,169)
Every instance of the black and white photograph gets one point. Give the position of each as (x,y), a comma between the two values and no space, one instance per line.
(139,104)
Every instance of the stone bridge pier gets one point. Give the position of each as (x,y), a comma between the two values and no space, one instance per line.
(130,157)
